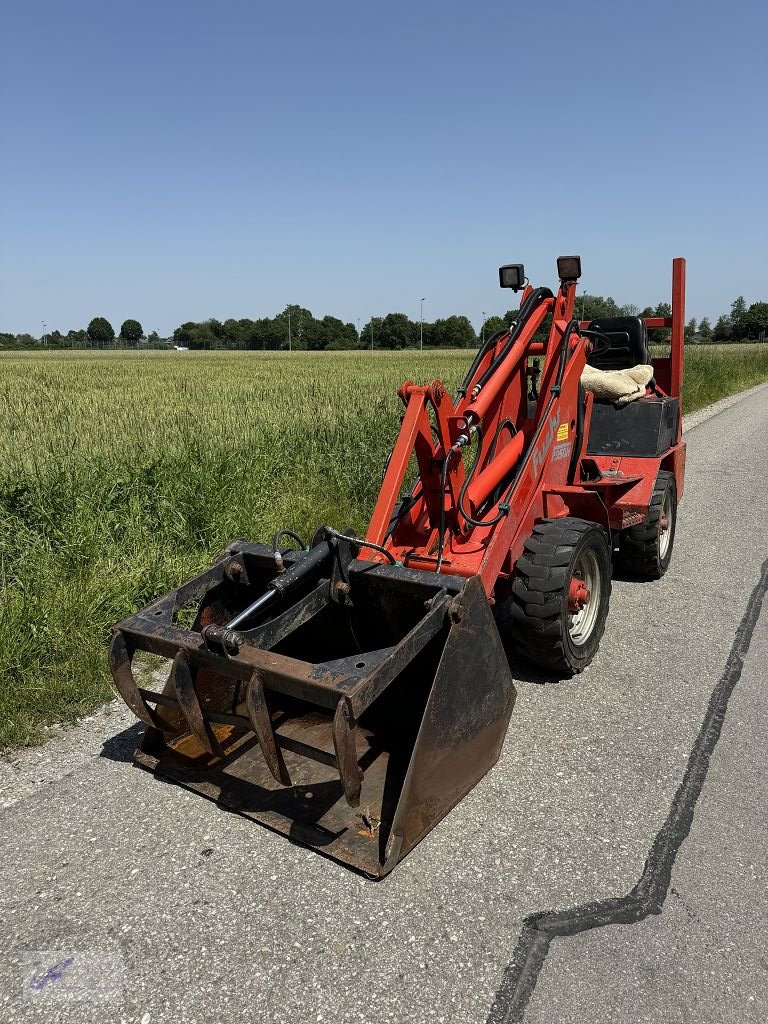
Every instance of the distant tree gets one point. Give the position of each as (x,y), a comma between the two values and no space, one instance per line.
(630,309)
(690,329)
(54,339)
(77,339)
(251,333)
(705,330)
(739,327)
(331,333)
(214,329)
(659,335)
(493,324)
(100,332)
(7,340)
(153,338)
(591,307)
(317,334)
(272,332)
(297,321)
(722,329)
(756,320)
(185,333)
(352,335)
(370,331)
(131,331)
(431,332)
(460,331)
(208,334)
(452,332)
(25,340)
(396,331)
(232,333)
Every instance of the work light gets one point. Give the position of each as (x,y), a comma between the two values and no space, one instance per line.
(569,268)
(512,276)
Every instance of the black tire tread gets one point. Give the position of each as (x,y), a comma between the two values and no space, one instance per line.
(534,608)
(639,544)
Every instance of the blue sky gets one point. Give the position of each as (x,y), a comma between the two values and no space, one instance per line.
(176,160)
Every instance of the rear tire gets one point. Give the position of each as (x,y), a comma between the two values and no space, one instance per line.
(555,615)
(645,551)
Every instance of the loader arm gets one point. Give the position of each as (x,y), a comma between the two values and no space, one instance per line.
(469,522)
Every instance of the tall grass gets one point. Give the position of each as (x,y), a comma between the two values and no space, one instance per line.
(123,473)
(715,371)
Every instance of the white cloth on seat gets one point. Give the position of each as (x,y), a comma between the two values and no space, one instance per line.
(618,386)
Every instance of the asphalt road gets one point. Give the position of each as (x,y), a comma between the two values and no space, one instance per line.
(612,867)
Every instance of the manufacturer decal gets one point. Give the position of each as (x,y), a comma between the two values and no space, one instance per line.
(561,451)
(539,454)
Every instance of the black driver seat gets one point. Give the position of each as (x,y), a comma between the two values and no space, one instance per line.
(628,343)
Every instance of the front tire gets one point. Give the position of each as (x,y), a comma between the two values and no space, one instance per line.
(555,615)
(645,551)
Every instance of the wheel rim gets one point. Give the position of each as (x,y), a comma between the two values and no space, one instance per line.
(665,525)
(586,576)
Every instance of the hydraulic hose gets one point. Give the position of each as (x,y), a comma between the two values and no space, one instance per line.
(276,546)
(537,296)
(360,543)
(503,506)
(482,353)
(293,536)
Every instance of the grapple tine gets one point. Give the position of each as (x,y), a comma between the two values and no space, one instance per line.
(346,753)
(122,673)
(261,722)
(183,683)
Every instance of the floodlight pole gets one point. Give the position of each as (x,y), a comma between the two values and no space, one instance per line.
(289,328)
(421,326)
(482,329)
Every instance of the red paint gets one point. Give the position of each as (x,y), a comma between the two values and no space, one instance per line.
(550,480)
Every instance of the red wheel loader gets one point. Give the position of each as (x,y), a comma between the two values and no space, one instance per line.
(348,694)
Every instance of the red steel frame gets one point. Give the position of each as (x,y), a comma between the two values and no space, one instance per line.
(614,492)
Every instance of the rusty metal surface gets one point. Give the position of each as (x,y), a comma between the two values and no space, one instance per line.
(183,686)
(316,725)
(261,723)
(312,811)
(465,720)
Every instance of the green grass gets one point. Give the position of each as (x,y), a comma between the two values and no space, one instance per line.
(715,371)
(123,473)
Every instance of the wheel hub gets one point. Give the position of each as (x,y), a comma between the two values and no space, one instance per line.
(578,595)
(584,597)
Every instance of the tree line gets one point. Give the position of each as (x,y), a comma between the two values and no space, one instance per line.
(297,328)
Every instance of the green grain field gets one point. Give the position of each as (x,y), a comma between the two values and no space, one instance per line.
(122,473)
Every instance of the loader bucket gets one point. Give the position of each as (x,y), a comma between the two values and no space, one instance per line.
(352,718)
